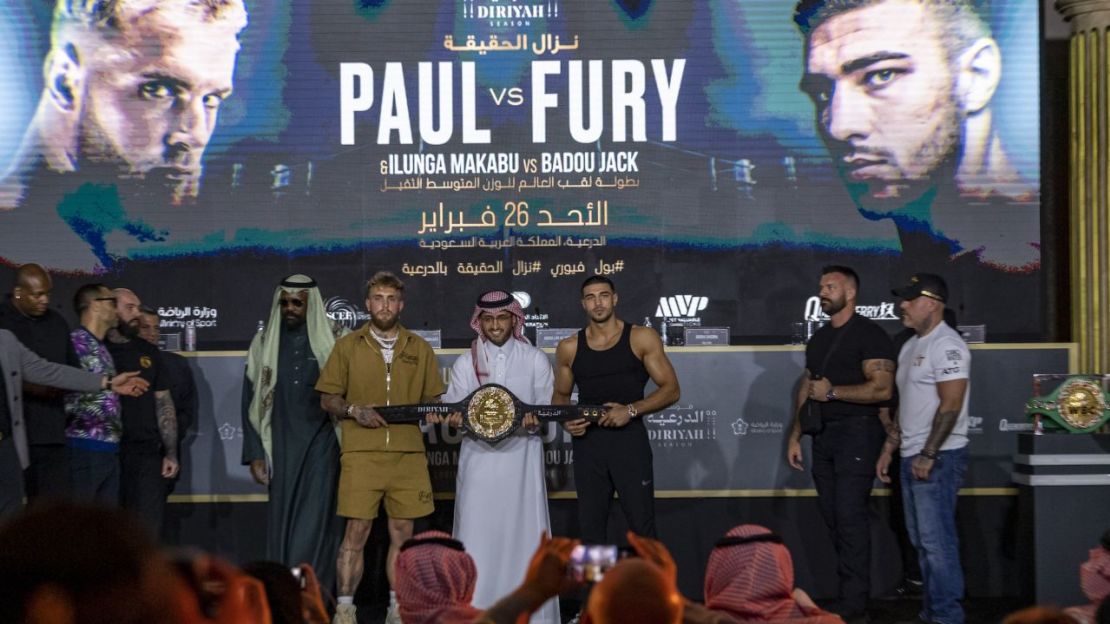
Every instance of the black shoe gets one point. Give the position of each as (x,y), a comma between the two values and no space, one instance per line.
(910,589)
(849,615)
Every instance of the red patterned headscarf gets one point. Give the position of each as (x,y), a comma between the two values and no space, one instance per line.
(754,582)
(435,581)
(1094,580)
(493,302)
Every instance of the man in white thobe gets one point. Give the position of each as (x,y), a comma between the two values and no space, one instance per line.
(501,497)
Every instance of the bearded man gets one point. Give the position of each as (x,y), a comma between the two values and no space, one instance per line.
(148,446)
(380,363)
(849,372)
(289,442)
(502,355)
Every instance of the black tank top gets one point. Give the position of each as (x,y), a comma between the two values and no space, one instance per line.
(615,374)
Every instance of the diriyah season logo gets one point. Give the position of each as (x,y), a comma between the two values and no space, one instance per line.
(499,13)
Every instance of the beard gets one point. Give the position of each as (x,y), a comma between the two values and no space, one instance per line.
(832,306)
(933,161)
(128,329)
(383,325)
(291,321)
(601,317)
(498,343)
(175,176)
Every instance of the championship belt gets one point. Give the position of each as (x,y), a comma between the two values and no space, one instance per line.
(490,413)
(1078,405)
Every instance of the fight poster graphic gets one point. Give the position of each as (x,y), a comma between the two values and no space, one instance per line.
(199,151)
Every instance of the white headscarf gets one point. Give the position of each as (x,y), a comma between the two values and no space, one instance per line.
(262,358)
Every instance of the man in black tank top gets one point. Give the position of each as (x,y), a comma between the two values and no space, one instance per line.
(610,361)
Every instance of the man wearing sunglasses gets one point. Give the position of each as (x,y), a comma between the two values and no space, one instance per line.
(934,369)
(289,442)
(94,422)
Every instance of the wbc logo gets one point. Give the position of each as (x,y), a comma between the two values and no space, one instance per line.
(681,305)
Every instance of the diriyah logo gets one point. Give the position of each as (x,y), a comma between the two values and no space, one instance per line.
(505,13)
(681,305)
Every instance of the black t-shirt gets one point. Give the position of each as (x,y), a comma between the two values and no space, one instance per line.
(5,413)
(140,414)
(183,389)
(862,339)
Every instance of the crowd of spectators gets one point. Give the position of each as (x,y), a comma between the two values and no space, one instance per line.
(67,563)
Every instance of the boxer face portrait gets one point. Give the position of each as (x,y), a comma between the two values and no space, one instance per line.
(892,89)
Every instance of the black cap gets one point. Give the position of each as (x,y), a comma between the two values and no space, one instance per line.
(926,284)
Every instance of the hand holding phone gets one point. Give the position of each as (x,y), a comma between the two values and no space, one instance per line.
(300,576)
(590,562)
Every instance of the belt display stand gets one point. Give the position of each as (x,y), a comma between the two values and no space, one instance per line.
(1063,509)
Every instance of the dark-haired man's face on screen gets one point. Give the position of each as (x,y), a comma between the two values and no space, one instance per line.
(885,99)
(153,94)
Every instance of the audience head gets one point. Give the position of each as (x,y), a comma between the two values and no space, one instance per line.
(283,591)
(434,580)
(1094,574)
(750,575)
(635,590)
(1039,615)
(82,565)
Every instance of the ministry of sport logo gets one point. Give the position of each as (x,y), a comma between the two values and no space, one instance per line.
(741,427)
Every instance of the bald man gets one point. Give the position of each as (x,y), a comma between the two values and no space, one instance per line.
(148,445)
(26,313)
(635,590)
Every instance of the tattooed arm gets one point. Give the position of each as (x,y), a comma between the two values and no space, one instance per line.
(951,395)
(167,428)
(877,388)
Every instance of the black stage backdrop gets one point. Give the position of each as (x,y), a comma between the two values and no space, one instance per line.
(473,144)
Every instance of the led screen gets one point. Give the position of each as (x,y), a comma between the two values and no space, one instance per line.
(708,156)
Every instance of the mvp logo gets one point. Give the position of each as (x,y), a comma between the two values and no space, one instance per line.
(681,305)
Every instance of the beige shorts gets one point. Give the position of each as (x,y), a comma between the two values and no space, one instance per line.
(400,478)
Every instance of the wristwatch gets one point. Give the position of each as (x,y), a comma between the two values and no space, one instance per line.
(831,394)
(632,411)
(350,409)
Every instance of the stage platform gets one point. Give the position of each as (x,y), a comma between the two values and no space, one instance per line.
(718,462)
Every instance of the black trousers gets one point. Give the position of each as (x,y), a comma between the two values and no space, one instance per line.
(48,476)
(142,490)
(608,460)
(844,456)
(11,478)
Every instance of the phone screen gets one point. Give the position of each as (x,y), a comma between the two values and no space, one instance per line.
(590,562)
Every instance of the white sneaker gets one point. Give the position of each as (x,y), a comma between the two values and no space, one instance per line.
(345,614)
(393,616)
